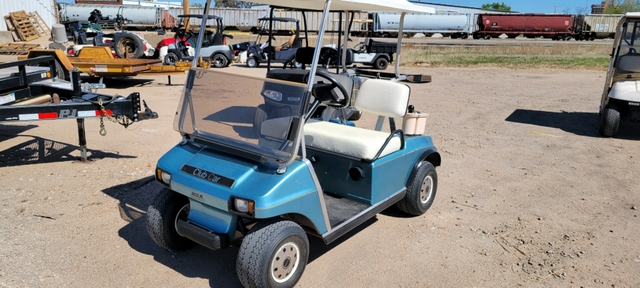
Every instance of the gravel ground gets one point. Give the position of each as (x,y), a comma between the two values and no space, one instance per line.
(529,195)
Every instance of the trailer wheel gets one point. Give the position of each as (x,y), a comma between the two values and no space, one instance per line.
(171,58)
(421,190)
(162,216)
(219,60)
(252,62)
(129,46)
(609,121)
(274,253)
(381,63)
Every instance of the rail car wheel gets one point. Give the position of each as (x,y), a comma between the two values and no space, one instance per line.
(487,37)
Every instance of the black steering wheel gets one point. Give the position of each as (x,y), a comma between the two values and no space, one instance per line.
(328,88)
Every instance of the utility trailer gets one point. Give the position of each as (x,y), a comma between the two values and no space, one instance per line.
(31,92)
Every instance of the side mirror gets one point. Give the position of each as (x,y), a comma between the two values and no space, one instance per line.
(161,32)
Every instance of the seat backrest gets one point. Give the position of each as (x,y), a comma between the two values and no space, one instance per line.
(383,97)
(629,63)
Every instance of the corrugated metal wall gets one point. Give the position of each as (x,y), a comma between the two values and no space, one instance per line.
(46,9)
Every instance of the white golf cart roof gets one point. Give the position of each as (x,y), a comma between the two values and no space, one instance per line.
(352,5)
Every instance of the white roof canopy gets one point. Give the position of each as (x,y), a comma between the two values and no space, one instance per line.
(352,5)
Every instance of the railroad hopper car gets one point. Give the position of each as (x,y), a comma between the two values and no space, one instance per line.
(449,25)
(554,26)
(596,26)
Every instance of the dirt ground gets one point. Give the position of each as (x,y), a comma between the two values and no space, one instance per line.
(528,195)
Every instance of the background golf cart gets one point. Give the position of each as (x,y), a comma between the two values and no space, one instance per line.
(621,97)
(213,46)
(229,184)
(263,52)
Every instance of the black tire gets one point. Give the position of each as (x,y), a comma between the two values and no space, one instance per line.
(421,190)
(381,63)
(609,121)
(171,58)
(129,46)
(162,216)
(252,62)
(218,60)
(258,118)
(273,254)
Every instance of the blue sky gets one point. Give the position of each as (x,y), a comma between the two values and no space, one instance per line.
(539,6)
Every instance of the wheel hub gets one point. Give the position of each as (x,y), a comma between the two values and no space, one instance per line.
(285,262)
(426,189)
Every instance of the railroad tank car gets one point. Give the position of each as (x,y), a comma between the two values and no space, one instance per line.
(449,25)
(596,26)
(554,26)
(139,16)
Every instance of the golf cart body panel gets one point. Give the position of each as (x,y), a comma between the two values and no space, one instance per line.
(621,95)
(266,180)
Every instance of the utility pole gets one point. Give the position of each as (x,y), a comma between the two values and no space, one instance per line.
(187,21)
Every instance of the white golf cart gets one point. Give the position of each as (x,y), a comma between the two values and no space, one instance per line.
(621,95)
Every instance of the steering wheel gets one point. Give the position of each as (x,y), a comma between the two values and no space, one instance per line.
(336,101)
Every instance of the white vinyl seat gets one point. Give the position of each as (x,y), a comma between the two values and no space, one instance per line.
(376,96)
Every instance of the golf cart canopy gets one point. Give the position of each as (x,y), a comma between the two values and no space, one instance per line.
(352,5)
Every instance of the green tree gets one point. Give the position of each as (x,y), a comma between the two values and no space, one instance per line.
(621,6)
(496,6)
(233,4)
(196,5)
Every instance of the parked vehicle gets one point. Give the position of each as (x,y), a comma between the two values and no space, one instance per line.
(227,185)
(621,98)
(214,48)
(385,24)
(263,52)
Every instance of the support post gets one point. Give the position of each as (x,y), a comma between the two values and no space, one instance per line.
(82,140)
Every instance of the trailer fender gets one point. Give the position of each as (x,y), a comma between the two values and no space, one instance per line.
(63,64)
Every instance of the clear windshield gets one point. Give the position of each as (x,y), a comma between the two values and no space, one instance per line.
(630,38)
(251,117)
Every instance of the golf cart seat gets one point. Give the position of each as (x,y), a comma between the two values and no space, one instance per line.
(381,97)
(627,90)
(629,63)
(288,44)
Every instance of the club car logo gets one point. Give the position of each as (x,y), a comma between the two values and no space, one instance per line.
(208,176)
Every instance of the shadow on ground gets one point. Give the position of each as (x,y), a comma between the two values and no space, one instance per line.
(217,266)
(35,150)
(579,123)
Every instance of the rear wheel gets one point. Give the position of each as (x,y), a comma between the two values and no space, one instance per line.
(274,253)
(162,218)
(219,60)
(421,190)
(381,63)
(609,121)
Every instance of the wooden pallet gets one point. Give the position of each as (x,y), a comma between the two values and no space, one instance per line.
(17,48)
(23,26)
(10,28)
(39,24)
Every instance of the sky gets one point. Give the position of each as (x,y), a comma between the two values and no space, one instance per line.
(524,6)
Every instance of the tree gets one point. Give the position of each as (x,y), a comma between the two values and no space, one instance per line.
(496,6)
(233,4)
(621,6)
(196,5)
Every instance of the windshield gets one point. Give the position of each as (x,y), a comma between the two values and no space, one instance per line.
(630,38)
(251,117)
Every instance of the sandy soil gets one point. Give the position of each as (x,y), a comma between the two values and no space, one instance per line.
(529,195)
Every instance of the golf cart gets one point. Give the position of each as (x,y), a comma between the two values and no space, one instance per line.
(213,46)
(285,53)
(621,97)
(227,184)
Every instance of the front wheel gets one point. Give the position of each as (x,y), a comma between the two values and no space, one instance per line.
(252,62)
(609,121)
(171,58)
(162,218)
(273,254)
(421,190)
